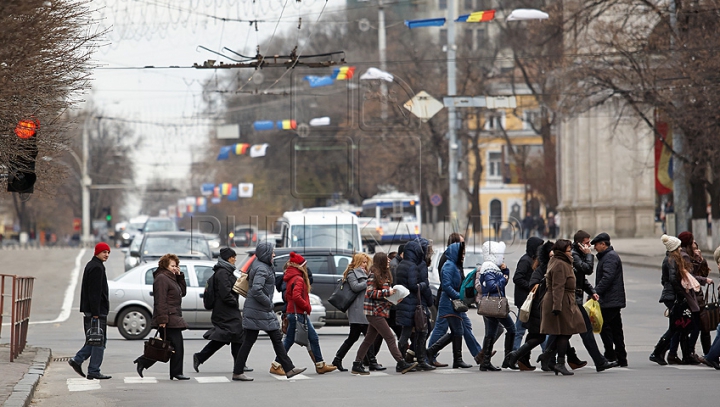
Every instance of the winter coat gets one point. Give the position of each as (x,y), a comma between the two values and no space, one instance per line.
(538,277)
(375,302)
(94,298)
(394,263)
(609,283)
(258,312)
(582,266)
(296,295)
(490,281)
(408,276)
(357,279)
(669,279)
(282,287)
(524,270)
(450,277)
(696,269)
(168,292)
(226,315)
(560,296)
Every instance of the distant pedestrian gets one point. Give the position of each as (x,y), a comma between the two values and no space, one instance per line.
(528,224)
(169,288)
(610,287)
(95,305)
(226,316)
(540,226)
(551,226)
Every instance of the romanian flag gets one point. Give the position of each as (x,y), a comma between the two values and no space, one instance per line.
(663,160)
(216,192)
(287,124)
(241,148)
(477,17)
(343,73)
(225,188)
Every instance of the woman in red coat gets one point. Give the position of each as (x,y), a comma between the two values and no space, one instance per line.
(297,297)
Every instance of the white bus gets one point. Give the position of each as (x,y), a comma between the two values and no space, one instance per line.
(393,217)
(320,227)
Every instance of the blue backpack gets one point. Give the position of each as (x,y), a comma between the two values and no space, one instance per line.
(467,288)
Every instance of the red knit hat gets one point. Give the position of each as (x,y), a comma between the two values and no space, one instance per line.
(101,247)
(686,239)
(297,259)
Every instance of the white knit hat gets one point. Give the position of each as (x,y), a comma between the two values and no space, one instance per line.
(671,242)
(489,266)
(494,252)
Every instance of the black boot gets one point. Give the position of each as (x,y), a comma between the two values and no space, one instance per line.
(658,355)
(486,366)
(547,360)
(436,347)
(422,352)
(374,365)
(524,362)
(357,368)
(559,367)
(338,364)
(573,360)
(457,353)
(510,360)
(509,341)
(139,366)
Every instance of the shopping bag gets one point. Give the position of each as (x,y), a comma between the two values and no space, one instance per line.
(242,285)
(95,335)
(596,320)
(527,305)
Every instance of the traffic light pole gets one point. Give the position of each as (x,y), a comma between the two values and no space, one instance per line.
(453,148)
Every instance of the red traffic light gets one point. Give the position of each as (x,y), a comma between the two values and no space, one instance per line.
(27,128)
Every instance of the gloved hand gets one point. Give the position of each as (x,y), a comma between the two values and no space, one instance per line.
(556,312)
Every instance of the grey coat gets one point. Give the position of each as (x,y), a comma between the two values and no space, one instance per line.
(358,284)
(258,312)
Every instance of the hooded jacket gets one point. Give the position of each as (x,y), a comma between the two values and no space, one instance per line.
(451,280)
(524,270)
(226,316)
(408,276)
(538,278)
(258,310)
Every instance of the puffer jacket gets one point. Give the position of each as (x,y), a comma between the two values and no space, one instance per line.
(408,276)
(423,275)
(168,292)
(668,277)
(538,277)
(524,270)
(582,266)
(609,282)
(490,281)
(258,312)
(451,279)
(296,296)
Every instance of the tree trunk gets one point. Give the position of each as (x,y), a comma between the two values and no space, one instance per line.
(698,203)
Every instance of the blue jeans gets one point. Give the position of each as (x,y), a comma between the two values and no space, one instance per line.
(441,327)
(714,352)
(94,353)
(491,326)
(519,332)
(312,336)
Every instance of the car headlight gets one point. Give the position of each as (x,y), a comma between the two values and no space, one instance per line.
(315,300)
(214,244)
(126,236)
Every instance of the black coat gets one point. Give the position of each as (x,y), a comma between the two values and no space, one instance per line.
(524,270)
(226,316)
(669,280)
(408,275)
(538,277)
(582,267)
(94,297)
(609,282)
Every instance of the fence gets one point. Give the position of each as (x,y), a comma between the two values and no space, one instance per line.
(19,292)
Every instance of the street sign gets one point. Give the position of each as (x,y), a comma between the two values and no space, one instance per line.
(464,101)
(435,200)
(423,106)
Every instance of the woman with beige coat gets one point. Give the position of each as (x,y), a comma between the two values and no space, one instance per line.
(560,315)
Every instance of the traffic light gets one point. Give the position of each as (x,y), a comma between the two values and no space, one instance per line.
(21,174)
(108,216)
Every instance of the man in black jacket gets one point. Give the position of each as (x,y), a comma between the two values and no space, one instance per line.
(610,286)
(95,305)
(522,282)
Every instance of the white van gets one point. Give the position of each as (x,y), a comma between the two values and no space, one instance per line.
(320,227)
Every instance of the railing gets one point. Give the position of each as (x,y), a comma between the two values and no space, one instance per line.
(19,291)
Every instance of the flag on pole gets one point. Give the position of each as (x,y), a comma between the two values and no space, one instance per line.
(343,73)
(190,202)
(233,194)
(477,17)
(287,124)
(215,200)
(207,189)
(264,125)
(224,153)
(216,192)
(201,204)
(320,121)
(245,190)
(258,150)
(663,159)
(427,22)
(226,188)
(241,148)
(318,81)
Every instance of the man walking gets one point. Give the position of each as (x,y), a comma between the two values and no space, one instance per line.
(610,287)
(95,305)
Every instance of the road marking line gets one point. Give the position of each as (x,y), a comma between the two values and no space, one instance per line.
(372,374)
(79,384)
(212,379)
(69,293)
(296,377)
(450,371)
(689,367)
(135,380)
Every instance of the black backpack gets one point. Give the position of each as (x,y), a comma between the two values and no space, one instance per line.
(209,294)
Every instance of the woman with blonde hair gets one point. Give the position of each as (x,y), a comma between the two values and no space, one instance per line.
(356,275)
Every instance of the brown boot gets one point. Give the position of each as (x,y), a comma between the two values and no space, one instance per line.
(322,368)
(276,368)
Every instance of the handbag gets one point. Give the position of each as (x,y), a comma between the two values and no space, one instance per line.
(524,315)
(242,285)
(420,320)
(459,306)
(710,314)
(343,296)
(493,307)
(285,324)
(301,331)
(158,349)
(94,336)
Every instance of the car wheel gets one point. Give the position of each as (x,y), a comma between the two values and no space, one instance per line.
(134,323)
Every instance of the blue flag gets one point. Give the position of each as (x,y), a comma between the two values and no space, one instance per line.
(224,153)
(318,81)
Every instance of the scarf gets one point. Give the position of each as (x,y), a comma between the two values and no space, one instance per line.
(690,283)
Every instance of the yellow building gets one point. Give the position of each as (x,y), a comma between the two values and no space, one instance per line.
(503,193)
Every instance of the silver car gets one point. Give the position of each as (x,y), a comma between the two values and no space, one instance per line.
(131,299)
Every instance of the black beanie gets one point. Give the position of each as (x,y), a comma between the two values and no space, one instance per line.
(226,253)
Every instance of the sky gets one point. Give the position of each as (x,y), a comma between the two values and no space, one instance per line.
(165,106)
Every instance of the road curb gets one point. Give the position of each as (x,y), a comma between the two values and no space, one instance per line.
(23,391)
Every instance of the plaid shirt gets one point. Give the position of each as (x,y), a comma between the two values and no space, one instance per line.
(375,303)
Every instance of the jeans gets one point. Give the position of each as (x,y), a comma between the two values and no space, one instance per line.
(441,327)
(612,335)
(250,338)
(492,326)
(714,352)
(94,353)
(519,332)
(174,336)
(312,336)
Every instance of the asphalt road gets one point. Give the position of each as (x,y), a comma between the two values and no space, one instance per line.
(60,328)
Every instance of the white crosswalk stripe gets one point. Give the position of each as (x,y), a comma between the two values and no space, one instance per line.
(297,377)
(212,379)
(82,384)
(136,380)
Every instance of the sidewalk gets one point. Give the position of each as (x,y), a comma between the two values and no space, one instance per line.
(20,378)
(649,252)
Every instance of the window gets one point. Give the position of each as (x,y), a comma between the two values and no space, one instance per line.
(316,264)
(443,37)
(494,121)
(468,4)
(480,38)
(341,236)
(341,263)
(530,117)
(203,274)
(494,165)
(482,5)
(442,4)
(468,38)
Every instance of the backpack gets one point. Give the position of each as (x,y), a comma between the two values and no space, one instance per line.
(209,294)
(467,288)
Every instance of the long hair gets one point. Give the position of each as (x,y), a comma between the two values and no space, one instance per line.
(454,238)
(381,270)
(303,272)
(677,257)
(356,262)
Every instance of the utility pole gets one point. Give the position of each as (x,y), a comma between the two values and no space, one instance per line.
(680,178)
(453,148)
(382,45)
(86,182)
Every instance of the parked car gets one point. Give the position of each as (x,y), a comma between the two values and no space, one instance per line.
(473,258)
(244,236)
(159,224)
(131,230)
(153,245)
(131,299)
